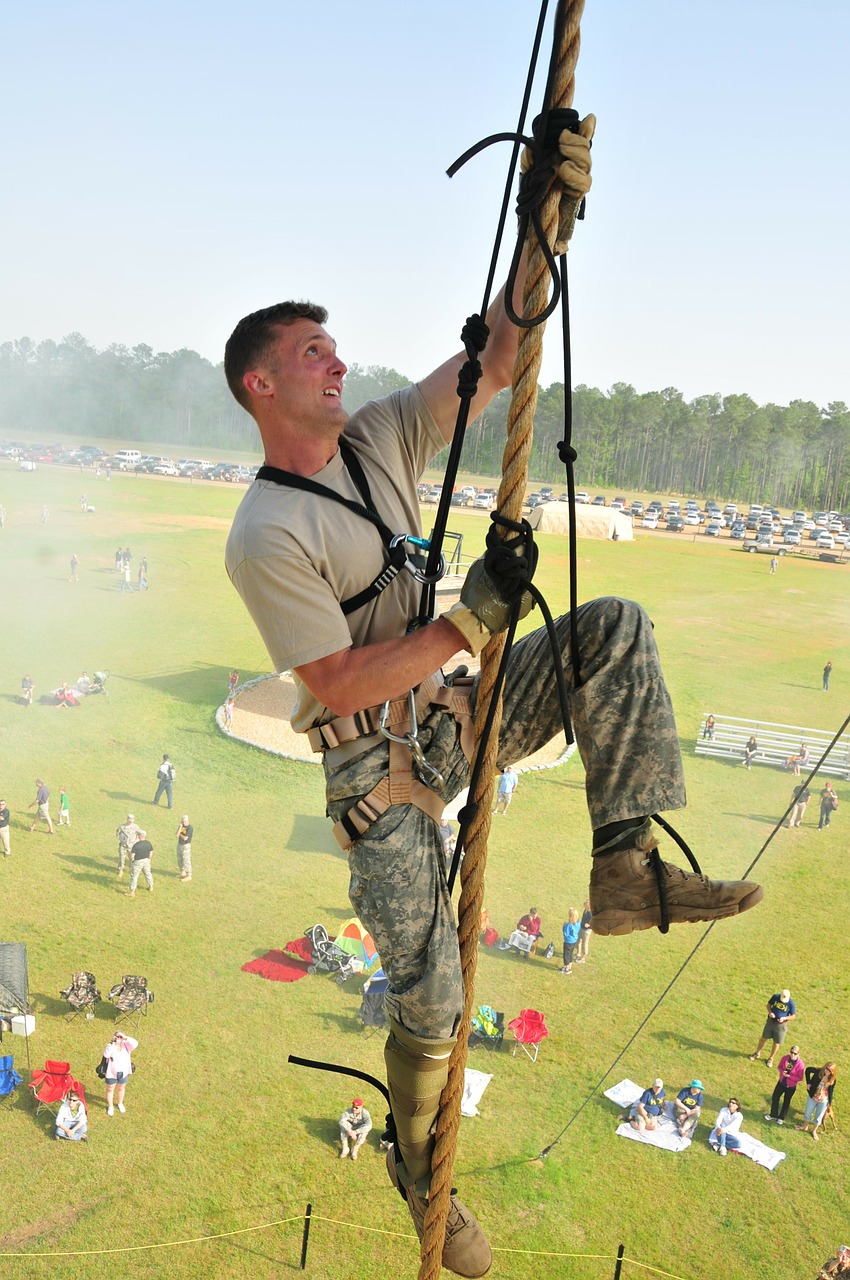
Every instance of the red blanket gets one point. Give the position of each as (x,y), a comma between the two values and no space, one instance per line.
(277,966)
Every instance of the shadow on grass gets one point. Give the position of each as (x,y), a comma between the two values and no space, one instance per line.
(312,834)
(205,682)
(696,1046)
(324,1129)
(765,819)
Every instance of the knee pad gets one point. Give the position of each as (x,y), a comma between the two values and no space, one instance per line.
(417,1071)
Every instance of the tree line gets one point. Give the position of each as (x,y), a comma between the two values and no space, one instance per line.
(797,455)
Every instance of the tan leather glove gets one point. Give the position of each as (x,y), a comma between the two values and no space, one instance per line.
(482,609)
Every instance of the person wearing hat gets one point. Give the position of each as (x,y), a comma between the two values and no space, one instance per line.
(127,835)
(686,1108)
(184,848)
(354,1125)
(781,1010)
(649,1106)
(4,830)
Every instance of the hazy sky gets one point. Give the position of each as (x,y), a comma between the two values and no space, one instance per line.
(168,167)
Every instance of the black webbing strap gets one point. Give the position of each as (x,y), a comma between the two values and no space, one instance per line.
(366,510)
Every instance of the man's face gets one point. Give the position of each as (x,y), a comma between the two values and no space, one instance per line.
(304,376)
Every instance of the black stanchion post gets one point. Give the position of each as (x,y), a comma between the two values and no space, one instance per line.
(619,1267)
(305,1238)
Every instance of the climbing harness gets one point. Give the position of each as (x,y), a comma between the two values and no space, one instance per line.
(404,550)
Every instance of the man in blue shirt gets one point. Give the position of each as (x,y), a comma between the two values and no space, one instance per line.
(780,1011)
(686,1108)
(649,1106)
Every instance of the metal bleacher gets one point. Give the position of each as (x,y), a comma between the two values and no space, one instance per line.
(776,742)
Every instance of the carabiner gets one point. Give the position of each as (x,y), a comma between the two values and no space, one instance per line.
(425,770)
(410,540)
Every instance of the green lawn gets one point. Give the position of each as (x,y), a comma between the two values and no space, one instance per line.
(220,1133)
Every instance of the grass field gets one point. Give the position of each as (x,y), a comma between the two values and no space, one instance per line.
(220,1133)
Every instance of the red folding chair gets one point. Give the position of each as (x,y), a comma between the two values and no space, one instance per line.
(50,1085)
(529,1029)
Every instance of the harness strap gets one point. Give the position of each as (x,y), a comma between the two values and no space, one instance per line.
(361,816)
(364,723)
(366,510)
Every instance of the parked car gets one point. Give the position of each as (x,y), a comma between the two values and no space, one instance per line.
(598,501)
(675,524)
(793,537)
(637,508)
(739,532)
(825,542)
(485,499)
(712,529)
(582,496)
(692,518)
(461,499)
(650,521)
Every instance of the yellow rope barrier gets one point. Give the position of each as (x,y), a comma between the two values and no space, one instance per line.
(509,503)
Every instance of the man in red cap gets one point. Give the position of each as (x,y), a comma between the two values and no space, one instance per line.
(354,1125)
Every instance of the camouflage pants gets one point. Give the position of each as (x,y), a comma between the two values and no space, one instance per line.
(626,734)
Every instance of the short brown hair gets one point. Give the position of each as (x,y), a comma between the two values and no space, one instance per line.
(249,341)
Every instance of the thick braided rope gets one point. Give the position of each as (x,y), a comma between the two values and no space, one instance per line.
(509,503)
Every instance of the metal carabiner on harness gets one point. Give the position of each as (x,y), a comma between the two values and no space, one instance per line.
(410,540)
(427,773)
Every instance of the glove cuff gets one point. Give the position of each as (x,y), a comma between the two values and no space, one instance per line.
(470,627)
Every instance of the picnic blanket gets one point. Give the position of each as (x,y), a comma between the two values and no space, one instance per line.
(277,966)
(474,1084)
(666,1136)
(758,1151)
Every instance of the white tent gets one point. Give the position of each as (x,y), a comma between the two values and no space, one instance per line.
(591,522)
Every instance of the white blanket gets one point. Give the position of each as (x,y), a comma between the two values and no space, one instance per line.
(666,1135)
(474,1084)
(625,1094)
(756,1150)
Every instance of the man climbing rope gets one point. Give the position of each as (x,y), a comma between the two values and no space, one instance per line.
(301,560)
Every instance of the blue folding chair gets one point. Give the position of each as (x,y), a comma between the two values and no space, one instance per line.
(9,1080)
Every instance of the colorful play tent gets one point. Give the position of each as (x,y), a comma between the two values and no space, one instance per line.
(357,942)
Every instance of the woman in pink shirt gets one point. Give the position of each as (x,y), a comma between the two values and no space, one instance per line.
(792,1068)
(118,1070)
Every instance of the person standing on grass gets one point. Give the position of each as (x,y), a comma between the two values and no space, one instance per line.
(228,715)
(75,564)
(119,1068)
(165,775)
(41,805)
(140,864)
(572,932)
(4,830)
(184,847)
(820,1085)
(584,935)
(801,796)
(781,1010)
(71,1119)
(27,690)
(233,683)
(792,1068)
(827,672)
(127,835)
(508,783)
(64,808)
(774,564)
(828,805)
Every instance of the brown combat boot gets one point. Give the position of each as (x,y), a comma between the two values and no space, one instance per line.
(624,892)
(466,1251)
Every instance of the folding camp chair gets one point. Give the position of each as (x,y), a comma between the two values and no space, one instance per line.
(82,996)
(488,1029)
(9,1080)
(529,1029)
(50,1085)
(131,998)
(372,1013)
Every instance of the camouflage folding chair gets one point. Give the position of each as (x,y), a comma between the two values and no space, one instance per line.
(81,996)
(131,998)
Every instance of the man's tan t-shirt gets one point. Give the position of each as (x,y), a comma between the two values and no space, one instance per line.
(294,556)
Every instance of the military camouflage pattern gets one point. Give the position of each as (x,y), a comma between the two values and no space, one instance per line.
(626,734)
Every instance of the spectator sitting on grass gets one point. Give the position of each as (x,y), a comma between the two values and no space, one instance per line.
(649,1106)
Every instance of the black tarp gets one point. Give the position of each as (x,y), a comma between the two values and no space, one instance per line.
(14,985)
